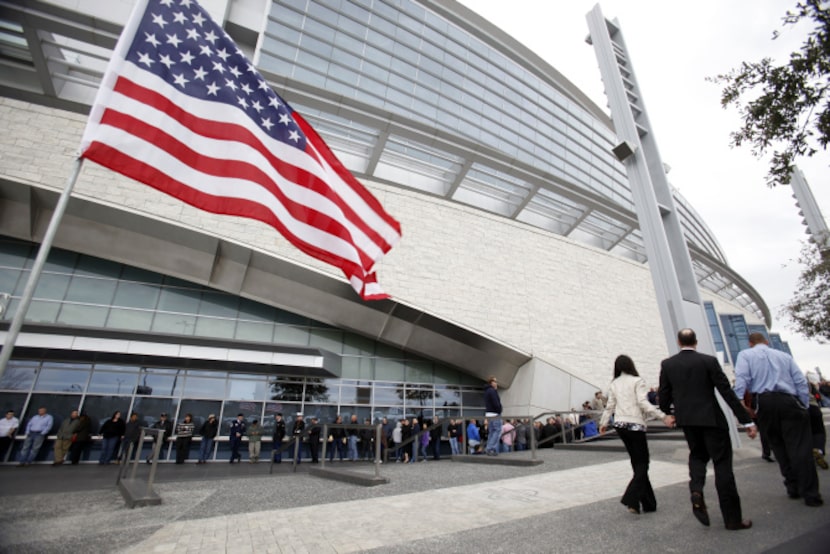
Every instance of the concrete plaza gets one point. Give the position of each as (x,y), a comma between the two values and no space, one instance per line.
(570,503)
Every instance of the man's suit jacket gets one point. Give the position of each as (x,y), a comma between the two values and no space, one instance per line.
(688,380)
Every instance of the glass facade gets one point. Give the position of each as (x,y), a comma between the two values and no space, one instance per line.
(81,292)
(714,328)
(737,334)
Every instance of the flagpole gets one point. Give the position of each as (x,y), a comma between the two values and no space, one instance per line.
(37,268)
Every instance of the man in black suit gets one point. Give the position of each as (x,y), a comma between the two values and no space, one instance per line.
(688,381)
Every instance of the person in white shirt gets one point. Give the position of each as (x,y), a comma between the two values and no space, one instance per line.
(628,402)
(8,429)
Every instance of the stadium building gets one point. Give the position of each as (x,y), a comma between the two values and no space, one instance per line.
(521,255)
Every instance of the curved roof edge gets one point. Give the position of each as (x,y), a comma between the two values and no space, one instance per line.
(103,231)
(518,52)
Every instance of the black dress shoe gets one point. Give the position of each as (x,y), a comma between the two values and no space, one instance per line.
(814,502)
(745,524)
(768,458)
(699,508)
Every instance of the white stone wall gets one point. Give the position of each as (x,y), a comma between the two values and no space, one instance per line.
(571,305)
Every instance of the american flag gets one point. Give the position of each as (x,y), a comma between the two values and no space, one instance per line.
(182,110)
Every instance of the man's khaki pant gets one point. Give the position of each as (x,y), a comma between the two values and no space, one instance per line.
(62,449)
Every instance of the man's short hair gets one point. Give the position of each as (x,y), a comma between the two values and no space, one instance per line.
(757,338)
(686,337)
(492,379)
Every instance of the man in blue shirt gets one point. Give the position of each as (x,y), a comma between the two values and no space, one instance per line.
(781,396)
(36,431)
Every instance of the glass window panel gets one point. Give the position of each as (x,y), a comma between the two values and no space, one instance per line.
(418,372)
(318,390)
(61,261)
(248,389)
(113,383)
(331,340)
(19,375)
(149,409)
(219,304)
(204,387)
(90,290)
(8,279)
(288,334)
(281,388)
(472,398)
(178,324)
(141,275)
(15,254)
(361,411)
(88,316)
(447,396)
(214,327)
(88,265)
(362,368)
(136,295)
(250,410)
(445,375)
(325,413)
(248,309)
(254,331)
(418,397)
(357,345)
(133,320)
(291,319)
(387,395)
(390,370)
(179,300)
(51,286)
(117,367)
(160,382)
(13,401)
(39,311)
(356,394)
(62,380)
(274,408)
(102,408)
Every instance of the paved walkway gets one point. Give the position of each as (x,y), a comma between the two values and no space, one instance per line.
(568,504)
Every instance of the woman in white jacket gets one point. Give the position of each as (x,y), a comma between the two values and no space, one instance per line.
(628,402)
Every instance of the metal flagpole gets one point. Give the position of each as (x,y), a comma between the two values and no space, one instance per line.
(37,268)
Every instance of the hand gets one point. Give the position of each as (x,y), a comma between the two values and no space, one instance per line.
(602,430)
(752,432)
(670,421)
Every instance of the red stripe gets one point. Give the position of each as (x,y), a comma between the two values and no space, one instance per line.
(238,133)
(145,173)
(229,168)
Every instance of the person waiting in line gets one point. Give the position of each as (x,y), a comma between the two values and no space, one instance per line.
(112,432)
(521,435)
(473,437)
(366,438)
(353,435)
(314,439)
(406,435)
(254,442)
(435,438)
(208,432)
(83,438)
(132,434)
(8,429)
(816,421)
(166,427)
(337,440)
(298,432)
(37,429)
(65,435)
(627,399)
(424,439)
(397,438)
(452,435)
(278,438)
(415,429)
(237,431)
(184,437)
(508,435)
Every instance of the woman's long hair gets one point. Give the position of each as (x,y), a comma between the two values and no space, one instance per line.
(624,364)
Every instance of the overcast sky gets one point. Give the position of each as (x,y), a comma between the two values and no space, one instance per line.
(673,47)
